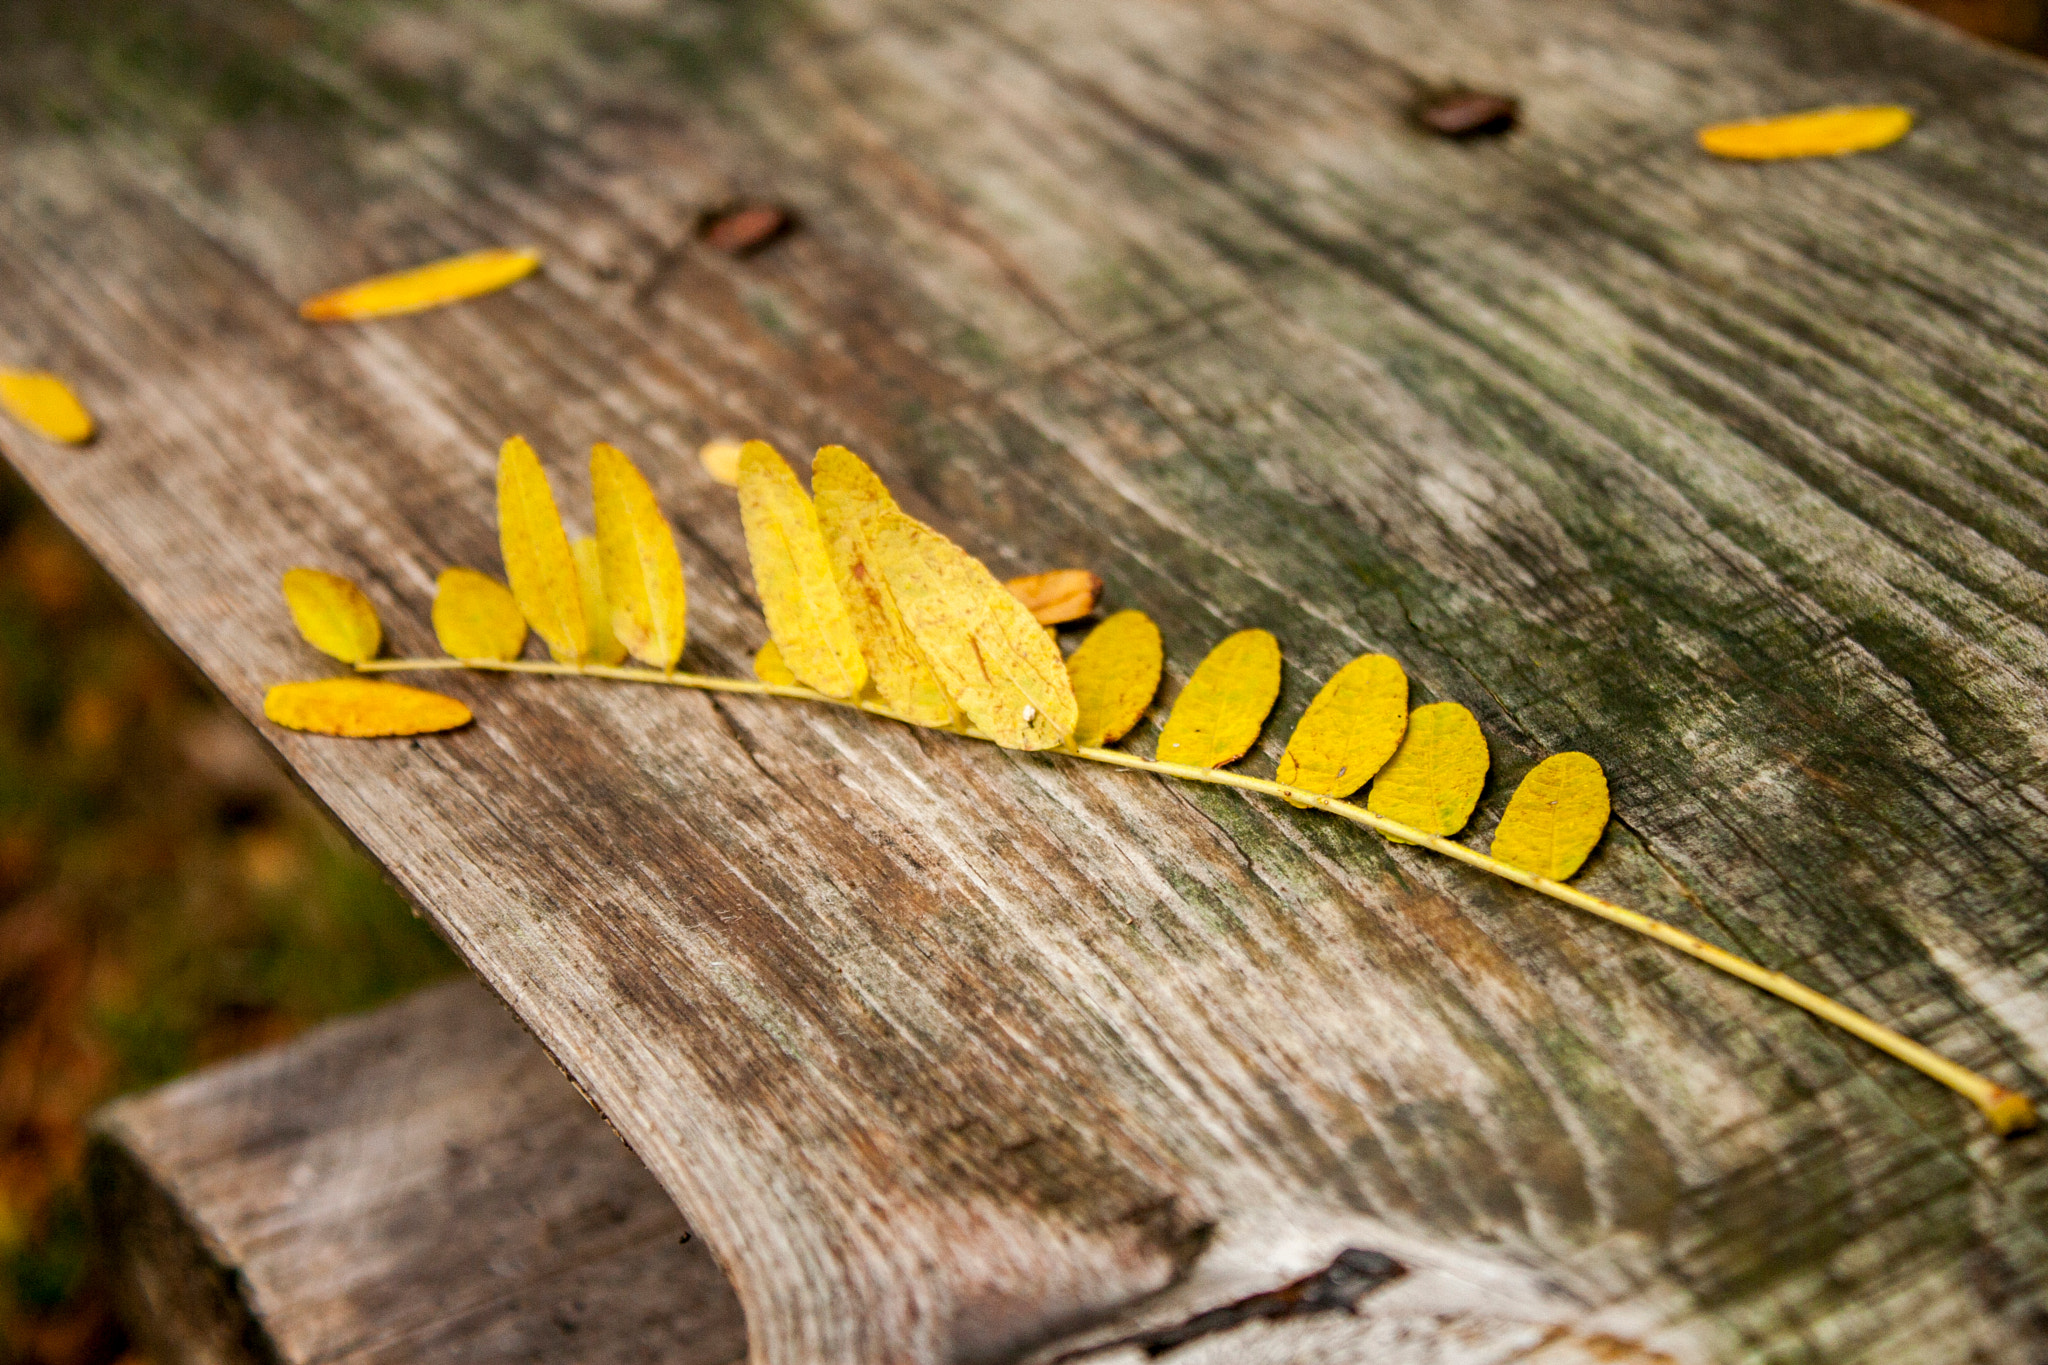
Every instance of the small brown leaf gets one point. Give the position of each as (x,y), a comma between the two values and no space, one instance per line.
(742,229)
(1057,596)
(1469,113)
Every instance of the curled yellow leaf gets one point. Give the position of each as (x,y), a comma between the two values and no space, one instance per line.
(537,559)
(849,498)
(995,662)
(1434,779)
(475,616)
(807,617)
(598,613)
(1219,714)
(333,614)
(1058,596)
(721,460)
(361,709)
(643,574)
(1115,674)
(1815,132)
(46,403)
(428,286)
(769,668)
(1350,730)
(1555,817)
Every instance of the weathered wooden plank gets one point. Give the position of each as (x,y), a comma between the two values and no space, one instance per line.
(1730,475)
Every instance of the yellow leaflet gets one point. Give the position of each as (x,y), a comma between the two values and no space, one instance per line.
(1057,596)
(849,498)
(475,616)
(769,668)
(1351,728)
(537,558)
(1115,674)
(721,460)
(1219,714)
(1555,817)
(807,618)
(46,403)
(1816,132)
(643,575)
(428,286)
(1434,778)
(361,709)
(333,614)
(598,612)
(998,665)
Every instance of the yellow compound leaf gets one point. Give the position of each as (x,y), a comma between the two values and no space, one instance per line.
(333,614)
(537,558)
(997,663)
(1115,674)
(1816,132)
(428,286)
(598,612)
(1434,778)
(1555,817)
(643,575)
(849,499)
(360,709)
(769,668)
(1350,730)
(475,616)
(1219,714)
(1058,596)
(807,618)
(45,402)
(721,460)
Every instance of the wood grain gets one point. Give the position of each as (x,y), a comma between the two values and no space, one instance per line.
(1731,476)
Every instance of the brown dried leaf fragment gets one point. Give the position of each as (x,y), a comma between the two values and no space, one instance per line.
(357,708)
(743,229)
(1219,714)
(1058,596)
(1469,113)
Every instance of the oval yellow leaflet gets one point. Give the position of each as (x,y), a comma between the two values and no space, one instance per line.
(1115,674)
(1815,132)
(1219,714)
(769,668)
(1555,817)
(538,562)
(475,616)
(333,614)
(428,286)
(358,708)
(598,612)
(1350,730)
(47,404)
(636,551)
(807,617)
(1434,779)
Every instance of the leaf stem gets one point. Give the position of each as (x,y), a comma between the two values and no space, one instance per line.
(2005,1110)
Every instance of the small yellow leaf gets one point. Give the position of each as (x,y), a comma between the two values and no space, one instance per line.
(1219,714)
(1115,674)
(1434,778)
(475,616)
(1816,132)
(721,460)
(769,668)
(1350,730)
(537,558)
(643,575)
(807,618)
(46,403)
(598,612)
(1555,817)
(361,709)
(998,665)
(333,614)
(1058,596)
(428,286)
(849,498)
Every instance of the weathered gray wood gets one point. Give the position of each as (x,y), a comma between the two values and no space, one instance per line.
(1731,475)
(415,1184)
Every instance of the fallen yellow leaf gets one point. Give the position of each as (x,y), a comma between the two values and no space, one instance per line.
(721,460)
(1115,674)
(643,575)
(45,402)
(598,612)
(333,614)
(1219,714)
(537,559)
(769,668)
(807,617)
(475,616)
(361,709)
(428,286)
(1816,132)
(1555,817)
(1057,596)
(1350,730)
(995,662)
(1434,779)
